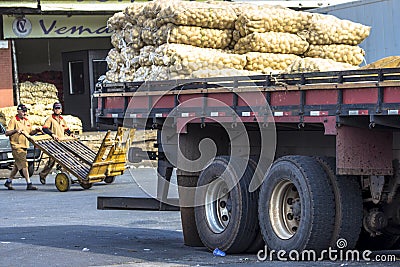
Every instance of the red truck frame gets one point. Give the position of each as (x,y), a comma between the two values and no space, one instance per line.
(336,133)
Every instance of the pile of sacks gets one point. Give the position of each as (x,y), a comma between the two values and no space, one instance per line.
(169,39)
(39,98)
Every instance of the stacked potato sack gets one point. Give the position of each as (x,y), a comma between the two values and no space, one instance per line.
(269,62)
(174,32)
(39,98)
(74,123)
(285,31)
(123,59)
(6,113)
(267,36)
(165,39)
(179,61)
(127,42)
(192,23)
(205,73)
(37,92)
(309,64)
(333,38)
(271,19)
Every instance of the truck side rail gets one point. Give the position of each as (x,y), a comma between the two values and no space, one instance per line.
(264,81)
(367,97)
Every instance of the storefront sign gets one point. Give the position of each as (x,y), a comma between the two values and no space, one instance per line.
(13,3)
(49,26)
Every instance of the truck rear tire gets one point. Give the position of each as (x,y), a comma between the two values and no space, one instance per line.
(348,202)
(258,242)
(227,223)
(296,205)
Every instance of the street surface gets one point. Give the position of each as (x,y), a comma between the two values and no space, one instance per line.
(50,228)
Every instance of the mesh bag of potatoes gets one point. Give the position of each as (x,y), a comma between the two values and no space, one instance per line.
(117,39)
(114,59)
(36,117)
(271,18)
(40,109)
(126,74)
(241,7)
(159,73)
(146,55)
(44,95)
(177,61)
(74,123)
(123,74)
(154,73)
(153,8)
(38,93)
(148,32)
(130,56)
(192,35)
(221,73)
(199,14)
(186,58)
(142,73)
(132,36)
(353,55)
(112,76)
(317,64)
(6,114)
(122,64)
(117,21)
(37,120)
(133,12)
(328,29)
(265,62)
(271,42)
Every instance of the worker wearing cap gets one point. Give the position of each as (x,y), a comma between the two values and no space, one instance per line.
(55,126)
(19,145)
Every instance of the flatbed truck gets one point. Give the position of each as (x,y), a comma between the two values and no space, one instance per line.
(290,161)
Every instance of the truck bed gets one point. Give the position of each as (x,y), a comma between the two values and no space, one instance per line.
(373,95)
(331,137)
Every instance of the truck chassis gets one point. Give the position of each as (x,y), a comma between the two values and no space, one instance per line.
(317,159)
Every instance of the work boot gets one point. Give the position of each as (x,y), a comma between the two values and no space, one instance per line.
(42,179)
(9,185)
(31,187)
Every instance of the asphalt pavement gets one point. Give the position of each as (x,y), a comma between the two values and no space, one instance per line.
(51,228)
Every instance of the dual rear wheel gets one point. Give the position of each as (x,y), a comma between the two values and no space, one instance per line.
(302,205)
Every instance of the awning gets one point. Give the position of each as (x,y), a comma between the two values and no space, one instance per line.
(19,4)
(87,5)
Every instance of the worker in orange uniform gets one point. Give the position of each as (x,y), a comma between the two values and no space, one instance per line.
(55,126)
(19,145)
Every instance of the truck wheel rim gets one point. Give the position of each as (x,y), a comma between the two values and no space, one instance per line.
(218,206)
(285,209)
